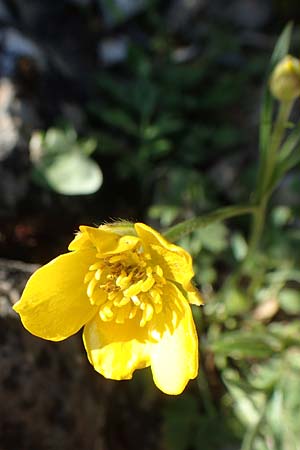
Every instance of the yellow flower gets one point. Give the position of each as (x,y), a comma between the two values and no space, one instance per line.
(130,289)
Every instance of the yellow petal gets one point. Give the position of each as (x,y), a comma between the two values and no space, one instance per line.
(116,350)
(174,358)
(193,295)
(174,260)
(81,242)
(54,304)
(104,240)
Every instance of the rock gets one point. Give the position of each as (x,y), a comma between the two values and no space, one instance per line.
(112,50)
(5,16)
(50,398)
(14,159)
(16,45)
(13,277)
(253,14)
(8,128)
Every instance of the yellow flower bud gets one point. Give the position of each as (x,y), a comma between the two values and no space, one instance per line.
(285,79)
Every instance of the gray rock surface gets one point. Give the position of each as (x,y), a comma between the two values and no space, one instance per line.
(50,397)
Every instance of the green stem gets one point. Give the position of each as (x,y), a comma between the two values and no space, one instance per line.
(266,174)
(186,227)
(278,134)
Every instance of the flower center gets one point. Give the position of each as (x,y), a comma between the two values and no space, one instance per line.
(125,286)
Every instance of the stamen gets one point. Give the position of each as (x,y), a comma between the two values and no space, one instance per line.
(133,312)
(124,286)
(98,274)
(135,300)
(91,286)
(96,266)
(147,284)
(134,289)
(88,277)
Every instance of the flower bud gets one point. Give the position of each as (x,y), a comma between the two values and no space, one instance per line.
(285,79)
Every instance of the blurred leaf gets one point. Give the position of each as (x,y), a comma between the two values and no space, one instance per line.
(282,45)
(288,333)
(247,401)
(280,50)
(289,300)
(265,375)
(226,136)
(109,144)
(89,146)
(281,215)
(165,213)
(162,126)
(117,118)
(213,237)
(116,88)
(239,246)
(244,344)
(61,161)
(289,145)
(155,149)
(180,419)
(185,428)
(71,173)
(236,301)
(289,157)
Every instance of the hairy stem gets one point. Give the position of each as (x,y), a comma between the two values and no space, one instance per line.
(186,227)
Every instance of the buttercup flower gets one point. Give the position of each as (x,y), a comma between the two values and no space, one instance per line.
(130,289)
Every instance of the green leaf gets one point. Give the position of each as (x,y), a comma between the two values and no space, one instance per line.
(239,246)
(287,333)
(282,45)
(247,401)
(280,50)
(289,300)
(117,118)
(236,301)
(71,173)
(288,157)
(166,214)
(244,344)
(214,237)
(57,140)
